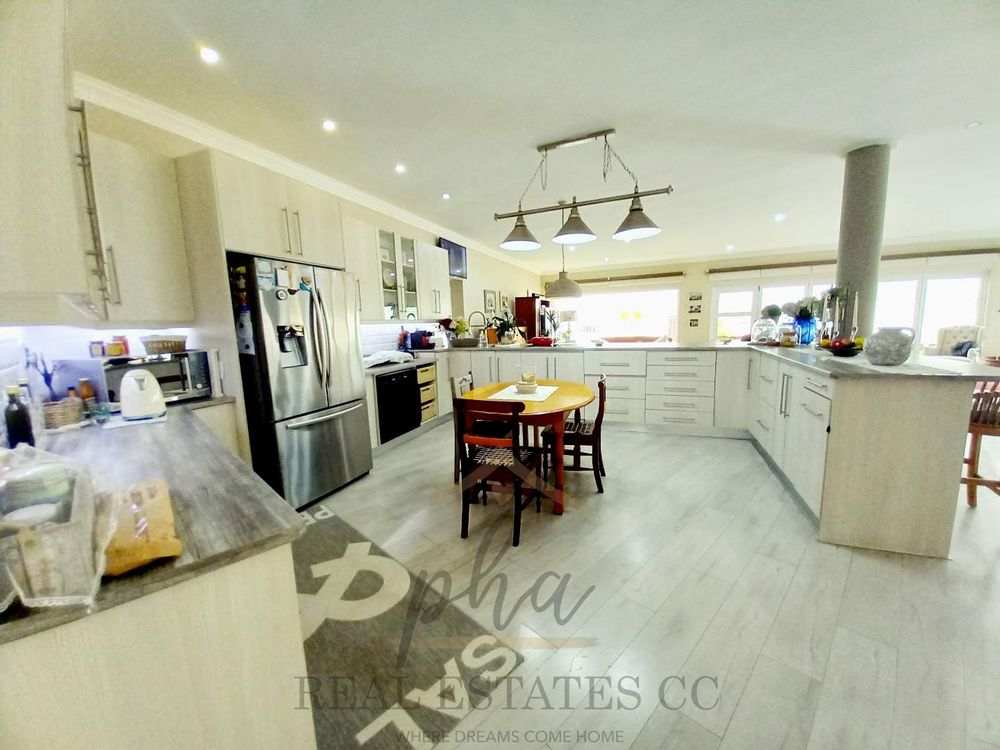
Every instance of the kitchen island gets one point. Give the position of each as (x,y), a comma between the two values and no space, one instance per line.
(872,454)
(199,651)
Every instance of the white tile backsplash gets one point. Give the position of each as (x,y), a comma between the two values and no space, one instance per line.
(378,337)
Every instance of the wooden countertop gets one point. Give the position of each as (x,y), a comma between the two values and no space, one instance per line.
(223,511)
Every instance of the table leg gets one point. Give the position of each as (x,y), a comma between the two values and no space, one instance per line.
(557,501)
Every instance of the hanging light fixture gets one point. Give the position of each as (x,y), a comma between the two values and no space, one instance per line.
(637,225)
(564,286)
(520,239)
(574,231)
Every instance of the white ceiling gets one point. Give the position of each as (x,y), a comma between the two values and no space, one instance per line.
(745,107)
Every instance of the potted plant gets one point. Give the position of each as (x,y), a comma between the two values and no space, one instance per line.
(505,326)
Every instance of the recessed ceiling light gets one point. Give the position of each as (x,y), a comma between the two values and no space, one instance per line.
(329,126)
(446,196)
(210,56)
(572,248)
(973,124)
(730,248)
(780,218)
(400,169)
(607,260)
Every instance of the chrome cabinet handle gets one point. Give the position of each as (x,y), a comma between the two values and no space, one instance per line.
(358,282)
(766,379)
(686,420)
(814,413)
(614,364)
(680,359)
(749,369)
(781,397)
(680,374)
(762,425)
(555,367)
(824,386)
(298,226)
(615,411)
(491,369)
(667,389)
(115,297)
(675,405)
(288,230)
(616,388)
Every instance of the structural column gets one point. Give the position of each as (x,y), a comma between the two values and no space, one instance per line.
(862,214)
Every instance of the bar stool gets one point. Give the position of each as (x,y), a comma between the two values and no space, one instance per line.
(983,420)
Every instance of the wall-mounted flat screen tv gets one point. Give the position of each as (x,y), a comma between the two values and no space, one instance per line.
(457,260)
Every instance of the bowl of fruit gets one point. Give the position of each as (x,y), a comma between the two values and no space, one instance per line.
(847,347)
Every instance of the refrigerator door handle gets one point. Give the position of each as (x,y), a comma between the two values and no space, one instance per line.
(314,319)
(324,418)
(327,341)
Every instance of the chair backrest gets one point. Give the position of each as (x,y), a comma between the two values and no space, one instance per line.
(602,396)
(461,385)
(470,411)
(950,336)
(985,406)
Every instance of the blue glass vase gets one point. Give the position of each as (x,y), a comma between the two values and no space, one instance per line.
(805,329)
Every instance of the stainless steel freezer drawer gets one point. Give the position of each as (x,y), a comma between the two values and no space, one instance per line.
(323,451)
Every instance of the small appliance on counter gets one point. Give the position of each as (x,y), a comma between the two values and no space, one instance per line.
(141,396)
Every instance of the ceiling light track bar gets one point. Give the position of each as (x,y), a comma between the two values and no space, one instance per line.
(592,202)
(575,141)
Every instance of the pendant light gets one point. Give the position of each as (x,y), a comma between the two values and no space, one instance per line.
(574,231)
(564,286)
(636,225)
(520,239)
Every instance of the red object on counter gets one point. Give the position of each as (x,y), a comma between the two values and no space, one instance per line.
(540,341)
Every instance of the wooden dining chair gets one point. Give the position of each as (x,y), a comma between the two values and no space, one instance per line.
(577,434)
(984,419)
(488,460)
(461,385)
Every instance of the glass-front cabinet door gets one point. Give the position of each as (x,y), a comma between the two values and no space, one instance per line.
(389,273)
(408,259)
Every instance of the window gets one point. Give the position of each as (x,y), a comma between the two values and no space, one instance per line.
(896,303)
(949,302)
(638,313)
(779,295)
(735,313)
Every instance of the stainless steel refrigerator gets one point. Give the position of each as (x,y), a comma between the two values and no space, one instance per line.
(300,357)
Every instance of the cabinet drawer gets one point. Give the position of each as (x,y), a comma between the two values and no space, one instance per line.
(428,393)
(813,405)
(818,384)
(762,424)
(619,386)
(681,403)
(685,387)
(768,366)
(428,411)
(680,418)
(768,382)
(680,372)
(699,359)
(425,374)
(612,362)
(624,410)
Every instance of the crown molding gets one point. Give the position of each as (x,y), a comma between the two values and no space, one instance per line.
(104,94)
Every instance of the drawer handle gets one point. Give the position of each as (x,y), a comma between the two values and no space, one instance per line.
(675,405)
(617,388)
(824,386)
(680,359)
(680,374)
(670,389)
(766,379)
(614,364)
(814,413)
(688,420)
(615,411)
(762,425)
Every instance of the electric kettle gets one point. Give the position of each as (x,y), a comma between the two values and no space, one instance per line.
(141,397)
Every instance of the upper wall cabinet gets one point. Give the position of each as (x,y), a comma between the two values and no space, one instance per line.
(42,237)
(434,282)
(361,254)
(140,221)
(265,213)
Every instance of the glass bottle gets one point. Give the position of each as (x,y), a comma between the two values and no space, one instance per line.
(17,417)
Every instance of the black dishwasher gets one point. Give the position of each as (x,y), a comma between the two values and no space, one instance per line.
(398,397)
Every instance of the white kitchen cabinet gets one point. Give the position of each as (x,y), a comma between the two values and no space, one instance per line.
(733,389)
(361,259)
(43,238)
(316,224)
(460,362)
(433,282)
(614,362)
(484,367)
(509,366)
(221,420)
(555,365)
(397,274)
(806,439)
(444,394)
(265,213)
(141,230)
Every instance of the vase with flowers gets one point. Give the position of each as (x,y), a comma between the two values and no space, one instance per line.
(802,319)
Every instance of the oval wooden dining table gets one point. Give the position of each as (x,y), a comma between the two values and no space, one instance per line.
(551,412)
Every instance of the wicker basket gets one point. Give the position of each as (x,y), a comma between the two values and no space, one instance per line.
(62,413)
(163,344)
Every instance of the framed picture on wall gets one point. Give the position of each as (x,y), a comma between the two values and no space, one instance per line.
(694,309)
(490,302)
(505,302)
(694,297)
(692,322)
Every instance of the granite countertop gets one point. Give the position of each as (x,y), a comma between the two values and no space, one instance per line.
(917,365)
(223,512)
